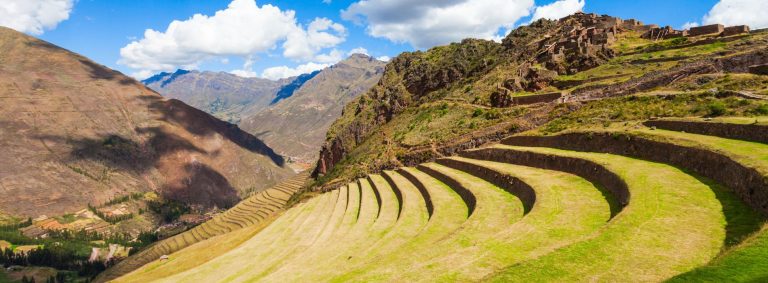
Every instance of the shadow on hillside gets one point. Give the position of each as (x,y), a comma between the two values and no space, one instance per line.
(166,150)
(100,72)
(203,186)
(193,182)
(44,45)
(200,123)
(287,90)
(742,221)
(261,134)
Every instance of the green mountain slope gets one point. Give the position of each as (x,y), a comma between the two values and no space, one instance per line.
(458,96)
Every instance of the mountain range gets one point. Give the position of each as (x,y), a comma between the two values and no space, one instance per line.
(291,115)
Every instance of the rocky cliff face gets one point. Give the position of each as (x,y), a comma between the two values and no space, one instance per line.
(296,126)
(76,132)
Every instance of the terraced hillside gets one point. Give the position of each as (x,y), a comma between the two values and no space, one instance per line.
(251,213)
(666,199)
(448,98)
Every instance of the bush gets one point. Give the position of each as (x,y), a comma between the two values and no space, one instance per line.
(679,41)
(477,113)
(762,109)
(716,108)
(492,114)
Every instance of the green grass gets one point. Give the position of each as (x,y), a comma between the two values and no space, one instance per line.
(4,278)
(757,120)
(661,232)
(633,108)
(343,246)
(269,246)
(495,211)
(744,263)
(412,230)
(751,154)
(567,209)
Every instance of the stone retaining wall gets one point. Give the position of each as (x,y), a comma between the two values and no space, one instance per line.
(396,190)
(536,98)
(376,193)
(512,185)
(586,169)
(755,133)
(465,194)
(422,189)
(749,184)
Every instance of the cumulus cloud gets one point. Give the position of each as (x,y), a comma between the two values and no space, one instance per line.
(739,12)
(383,58)
(331,57)
(321,33)
(242,29)
(424,23)
(358,50)
(558,9)
(281,72)
(34,16)
(689,25)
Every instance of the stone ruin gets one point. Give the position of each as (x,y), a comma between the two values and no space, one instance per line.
(664,33)
(582,42)
(657,33)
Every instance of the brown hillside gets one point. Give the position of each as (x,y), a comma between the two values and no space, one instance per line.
(76,132)
(296,126)
(224,95)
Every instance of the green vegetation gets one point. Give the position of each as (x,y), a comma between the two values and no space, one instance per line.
(444,222)
(632,108)
(669,231)
(169,210)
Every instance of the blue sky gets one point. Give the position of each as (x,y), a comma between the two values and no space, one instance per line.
(99,29)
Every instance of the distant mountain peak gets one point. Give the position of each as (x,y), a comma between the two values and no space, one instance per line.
(288,90)
(164,77)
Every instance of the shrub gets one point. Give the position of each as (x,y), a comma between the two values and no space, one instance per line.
(478,112)
(679,40)
(492,114)
(762,109)
(716,108)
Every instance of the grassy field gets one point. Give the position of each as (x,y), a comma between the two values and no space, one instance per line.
(567,208)
(662,232)
(677,226)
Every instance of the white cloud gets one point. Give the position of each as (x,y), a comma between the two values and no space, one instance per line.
(34,16)
(242,29)
(321,33)
(245,73)
(331,57)
(557,10)
(689,25)
(383,58)
(739,12)
(281,72)
(358,50)
(143,74)
(424,24)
